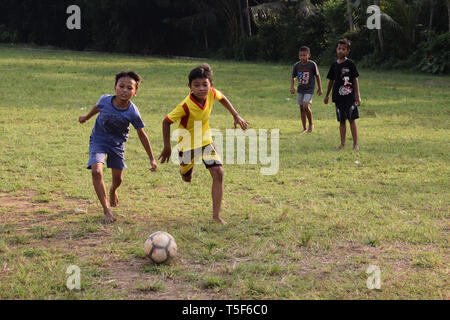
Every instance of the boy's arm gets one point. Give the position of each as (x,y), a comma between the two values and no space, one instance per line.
(327,96)
(357,95)
(148,148)
(94,111)
(165,154)
(292,85)
(319,81)
(237,119)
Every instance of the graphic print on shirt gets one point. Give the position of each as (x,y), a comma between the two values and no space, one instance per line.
(303,77)
(114,124)
(346,88)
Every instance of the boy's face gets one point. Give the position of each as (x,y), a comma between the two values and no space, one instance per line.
(304,56)
(342,51)
(200,87)
(125,88)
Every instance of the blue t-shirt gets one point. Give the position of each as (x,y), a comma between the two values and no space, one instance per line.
(112,124)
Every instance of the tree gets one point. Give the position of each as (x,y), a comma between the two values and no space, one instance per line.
(350,15)
(380,31)
(430,24)
(448,13)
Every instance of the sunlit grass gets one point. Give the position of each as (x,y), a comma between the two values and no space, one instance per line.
(308,232)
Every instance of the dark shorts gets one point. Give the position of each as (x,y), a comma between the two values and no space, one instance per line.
(114,156)
(208,154)
(346,112)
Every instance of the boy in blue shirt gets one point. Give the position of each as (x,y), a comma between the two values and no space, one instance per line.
(343,77)
(109,135)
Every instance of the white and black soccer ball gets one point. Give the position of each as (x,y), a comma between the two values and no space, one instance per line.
(160,247)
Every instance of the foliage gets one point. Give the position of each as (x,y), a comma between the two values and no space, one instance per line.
(437,55)
(243,30)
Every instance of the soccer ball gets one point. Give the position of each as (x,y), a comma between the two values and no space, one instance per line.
(160,247)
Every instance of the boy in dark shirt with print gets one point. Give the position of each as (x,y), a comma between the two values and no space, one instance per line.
(343,77)
(305,71)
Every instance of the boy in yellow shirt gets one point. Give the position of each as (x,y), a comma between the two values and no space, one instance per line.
(192,113)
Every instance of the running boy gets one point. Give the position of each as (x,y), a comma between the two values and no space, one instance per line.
(109,135)
(343,77)
(196,142)
(305,71)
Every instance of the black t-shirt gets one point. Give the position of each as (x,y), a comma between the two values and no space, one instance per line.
(305,74)
(344,75)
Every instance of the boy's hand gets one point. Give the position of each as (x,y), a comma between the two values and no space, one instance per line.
(319,91)
(358,101)
(326,99)
(292,90)
(154,165)
(242,123)
(82,119)
(165,155)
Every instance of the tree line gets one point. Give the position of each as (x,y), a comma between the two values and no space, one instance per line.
(414,33)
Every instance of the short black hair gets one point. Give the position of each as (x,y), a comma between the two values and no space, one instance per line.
(345,42)
(304,49)
(203,71)
(131,74)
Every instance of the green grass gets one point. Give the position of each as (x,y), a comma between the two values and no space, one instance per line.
(308,232)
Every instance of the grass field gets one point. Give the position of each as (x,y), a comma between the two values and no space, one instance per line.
(308,232)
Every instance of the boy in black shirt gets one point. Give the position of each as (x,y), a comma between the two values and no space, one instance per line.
(343,77)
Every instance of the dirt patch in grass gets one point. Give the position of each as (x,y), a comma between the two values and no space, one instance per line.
(25,213)
(129,277)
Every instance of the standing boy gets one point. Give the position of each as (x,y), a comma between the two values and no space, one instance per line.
(305,71)
(343,77)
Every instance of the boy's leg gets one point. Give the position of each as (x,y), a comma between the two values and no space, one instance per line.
(302,112)
(217,191)
(308,112)
(342,131)
(354,131)
(117,178)
(100,189)
(116,162)
(186,165)
(303,117)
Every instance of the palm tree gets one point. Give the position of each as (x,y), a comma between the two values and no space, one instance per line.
(430,24)
(305,8)
(249,22)
(350,15)
(404,20)
(380,31)
(448,13)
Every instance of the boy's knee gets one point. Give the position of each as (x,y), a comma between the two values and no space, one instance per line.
(187,177)
(97,173)
(217,173)
(117,181)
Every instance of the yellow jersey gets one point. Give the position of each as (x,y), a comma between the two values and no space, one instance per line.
(193,116)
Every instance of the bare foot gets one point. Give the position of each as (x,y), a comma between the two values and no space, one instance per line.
(113,198)
(220,220)
(356,147)
(339,147)
(311,128)
(304,130)
(109,217)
